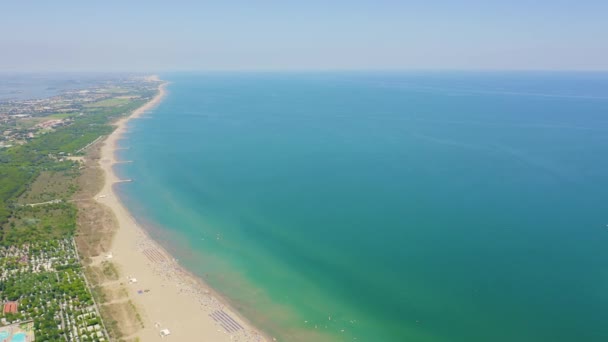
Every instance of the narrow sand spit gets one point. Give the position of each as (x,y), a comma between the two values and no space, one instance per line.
(165,295)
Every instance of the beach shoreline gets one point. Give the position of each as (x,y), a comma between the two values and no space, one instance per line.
(166,295)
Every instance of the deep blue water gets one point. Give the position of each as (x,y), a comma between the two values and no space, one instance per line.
(386,206)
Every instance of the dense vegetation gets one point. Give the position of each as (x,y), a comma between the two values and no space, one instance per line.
(20,165)
(39,223)
(39,266)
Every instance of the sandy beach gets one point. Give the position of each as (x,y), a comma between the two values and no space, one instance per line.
(164,294)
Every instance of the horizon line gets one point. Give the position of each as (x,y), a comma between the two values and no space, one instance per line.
(296,70)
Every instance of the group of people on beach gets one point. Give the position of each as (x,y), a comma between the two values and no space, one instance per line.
(173,274)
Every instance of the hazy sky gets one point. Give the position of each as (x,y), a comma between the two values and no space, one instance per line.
(308,34)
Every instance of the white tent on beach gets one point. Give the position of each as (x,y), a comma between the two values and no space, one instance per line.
(165,332)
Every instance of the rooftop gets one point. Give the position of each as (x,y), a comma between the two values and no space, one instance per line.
(10,307)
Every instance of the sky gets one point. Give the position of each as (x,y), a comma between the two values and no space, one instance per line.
(175,35)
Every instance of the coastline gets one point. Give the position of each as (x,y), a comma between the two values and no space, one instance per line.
(165,295)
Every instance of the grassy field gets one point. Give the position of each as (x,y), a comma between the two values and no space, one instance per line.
(50,185)
(28,123)
(61,115)
(113,102)
(115,90)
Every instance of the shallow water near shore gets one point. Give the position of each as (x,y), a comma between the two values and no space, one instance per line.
(385,206)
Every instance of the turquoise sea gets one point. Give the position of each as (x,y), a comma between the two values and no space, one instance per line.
(388,206)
